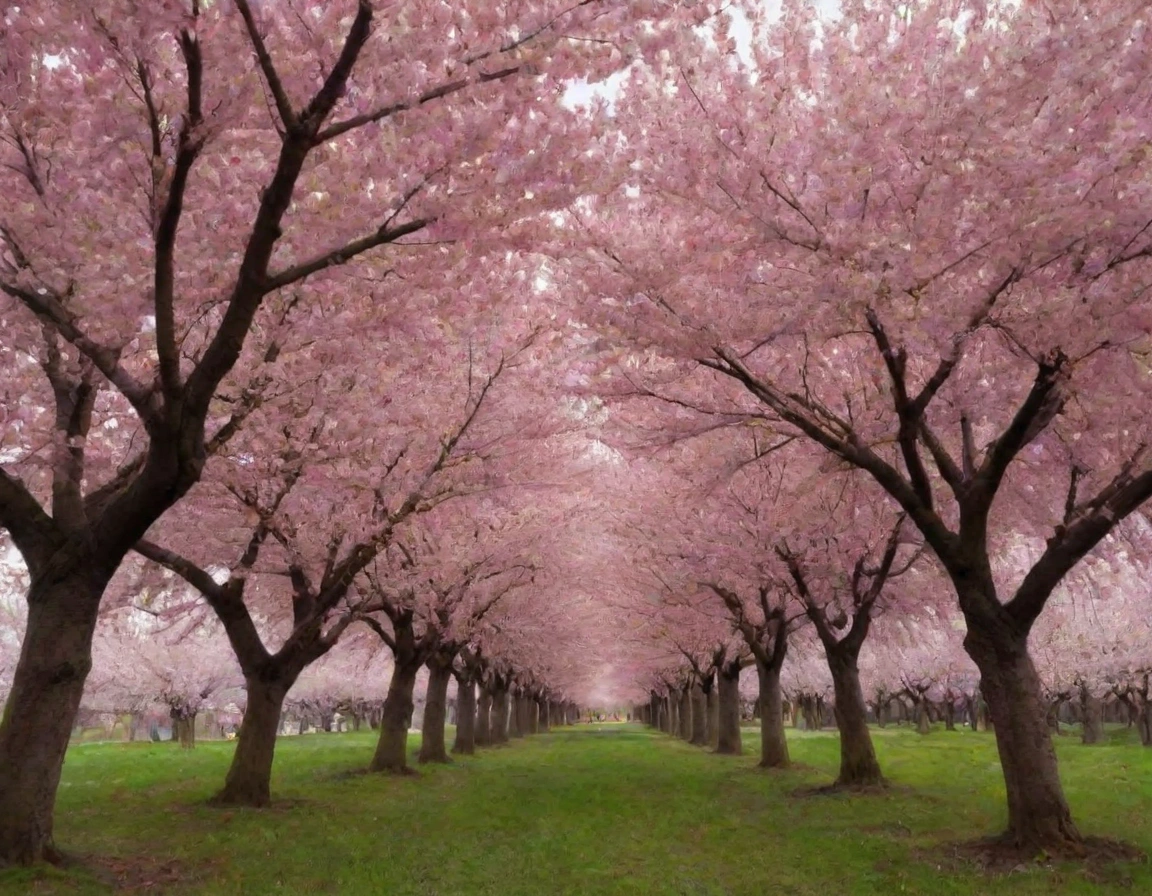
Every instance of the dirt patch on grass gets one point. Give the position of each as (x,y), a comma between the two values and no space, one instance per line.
(138,874)
(844,790)
(352,774)
(1098,858)
(790,768)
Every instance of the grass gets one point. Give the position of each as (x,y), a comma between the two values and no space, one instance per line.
(610,809)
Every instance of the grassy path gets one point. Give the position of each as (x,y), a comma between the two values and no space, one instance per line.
(609,810)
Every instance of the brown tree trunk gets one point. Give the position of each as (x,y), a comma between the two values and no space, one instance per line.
(1038,814)
(699,717)
(773,743)
(184,728)
(712,712)
(685,731)
(858,764)
(499,716)
(515,716)
(1091,717)
(728,683)
(432,745)
(249,778)
(923,723)
(672,701)
(484,718)
(1144,715)
(466,718)
(542,716)
(55,658)
(392,747)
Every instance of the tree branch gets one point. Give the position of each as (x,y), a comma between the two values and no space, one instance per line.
(271,77)
(191,141)
(344,253)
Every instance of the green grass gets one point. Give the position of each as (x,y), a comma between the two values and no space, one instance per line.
(612,809)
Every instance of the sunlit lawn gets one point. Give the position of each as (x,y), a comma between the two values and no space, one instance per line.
(588,810)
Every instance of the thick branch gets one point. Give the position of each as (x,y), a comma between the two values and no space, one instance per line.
(1069,545)
(251,282)
(32,529)
(1044,402)
(190,142)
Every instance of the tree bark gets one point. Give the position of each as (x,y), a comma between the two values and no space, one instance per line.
(923,723)
(773,743)
(858,764)
(728,683)
(499,716)
(249,778)
(484,718)
(55,658)
(712,710)
(183,728)
(515,716)
(542,716)
(392,747)
(699,717)
(1091,717)
(685,731)
(949,713)
(1038,814)
(466,720)
(432,745)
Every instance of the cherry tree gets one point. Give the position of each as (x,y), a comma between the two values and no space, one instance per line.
(171,173)
(317,483)
(857,230)
(178,661)
(346,680)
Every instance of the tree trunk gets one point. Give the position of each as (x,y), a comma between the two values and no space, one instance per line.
(712,710)
(515,716)
(484,718)
(1091,717)
(432,746)
(543,723)
(699,717)
(923,723)
(184,728)
(499,716)
(249,779)
(773,744)
(858,764)
(673,703)
(466,721)
(55,658)
(685,731)
(949,714)
(728,724)
(392,747)
(1038,814)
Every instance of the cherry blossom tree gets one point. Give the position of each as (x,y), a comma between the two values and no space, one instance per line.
(145,659)
(172,172)
(857,231)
